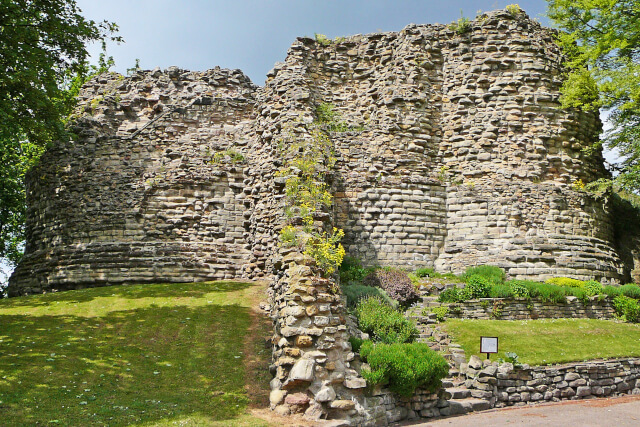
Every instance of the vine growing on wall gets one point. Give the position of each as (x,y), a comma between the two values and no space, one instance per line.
(307,163)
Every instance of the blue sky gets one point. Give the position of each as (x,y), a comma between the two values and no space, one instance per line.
(253,35)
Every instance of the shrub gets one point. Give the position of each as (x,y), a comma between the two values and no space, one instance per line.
(565,281)
(355,293)
(631,291)
(415,280)
(440,312)
(396,283)
(449,295)
(627,307)
(501,291)
(425,272)
(351,270)
(465,294)
(479,286)
(611,291)
(356,343)
(546,292)
(519,288)
(405,367)
(592,288)
(383,322)
(579,293)
(494,275)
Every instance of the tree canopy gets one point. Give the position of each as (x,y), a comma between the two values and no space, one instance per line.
(43,51)
(602,42)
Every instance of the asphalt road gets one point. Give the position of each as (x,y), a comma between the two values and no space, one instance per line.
(613,412)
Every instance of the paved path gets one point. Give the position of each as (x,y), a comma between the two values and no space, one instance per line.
(618,412)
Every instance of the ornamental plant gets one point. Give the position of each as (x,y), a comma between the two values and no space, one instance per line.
(565,281)
(479,286)
(355,293)
(383,322)
(405,367)
(630,290)
(491,273)
(592,288)
(518,288)
(627,307)
(396,283)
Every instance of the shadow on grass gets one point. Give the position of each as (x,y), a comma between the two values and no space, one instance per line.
(138,366)
(161,290)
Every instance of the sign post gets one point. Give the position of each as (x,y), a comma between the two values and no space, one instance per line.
(488,345)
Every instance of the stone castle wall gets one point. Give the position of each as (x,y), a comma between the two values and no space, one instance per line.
(138,198)
(458,154)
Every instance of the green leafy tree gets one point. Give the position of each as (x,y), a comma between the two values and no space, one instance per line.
(602,42)
(43,61)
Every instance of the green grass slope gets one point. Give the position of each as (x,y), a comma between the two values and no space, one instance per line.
(165,354)
(549,341)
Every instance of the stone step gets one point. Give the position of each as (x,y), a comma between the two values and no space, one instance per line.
(459,392)
(453,381)
(447,383)
(463,406)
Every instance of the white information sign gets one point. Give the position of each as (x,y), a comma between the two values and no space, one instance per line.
(488,344)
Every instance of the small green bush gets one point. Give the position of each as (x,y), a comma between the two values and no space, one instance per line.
(356,343)
(355,293)
(479,285)
(449,295)
(592,288)
(501,291)
(465,294)
(630,290)
(384,323)
(579,293)
(565,281)
(611,291)
(351,270)
(440,312)
(425,272)
(405,367)
(627,307)
(547,293)
(415,280)
(495,275)
(519,288)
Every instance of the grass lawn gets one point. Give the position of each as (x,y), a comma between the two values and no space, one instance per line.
(549,341)
(165,354)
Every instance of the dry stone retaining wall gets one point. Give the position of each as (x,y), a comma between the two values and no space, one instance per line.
(514,309)
(503,385)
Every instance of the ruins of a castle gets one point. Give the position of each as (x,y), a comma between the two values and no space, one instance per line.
(456,153)
(463,156)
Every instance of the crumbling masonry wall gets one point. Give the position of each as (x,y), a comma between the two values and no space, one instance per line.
(458,154)
(137,197)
